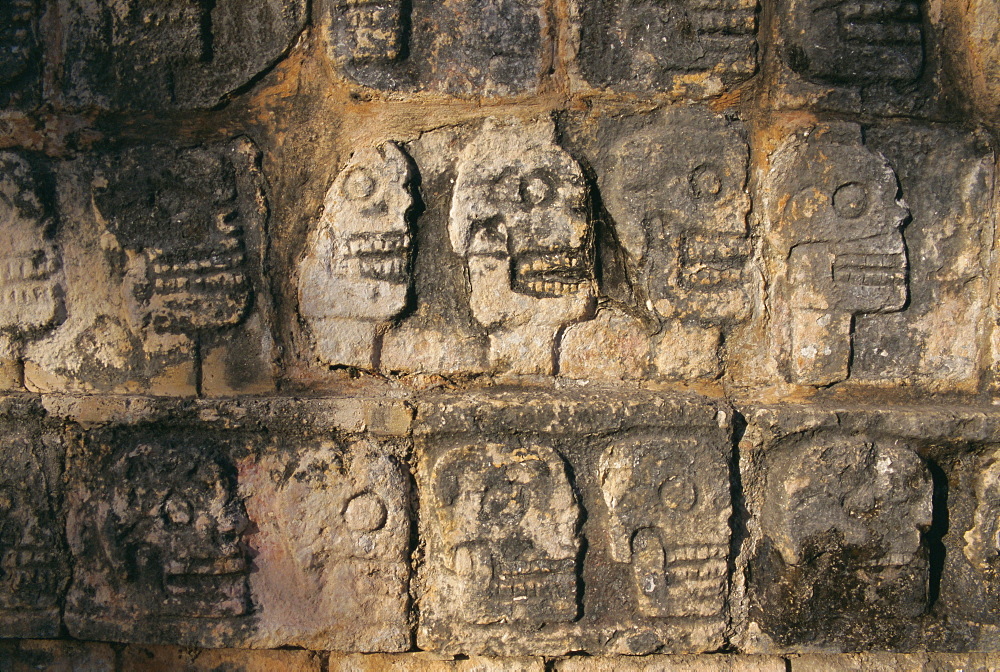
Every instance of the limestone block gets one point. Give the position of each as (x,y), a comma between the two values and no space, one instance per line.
(355,276)
(31,286)
(839,552)
(331,545)
(689,352)
(158,535)
(178,659)
(981,23)
(613,346)
(836,248)
(20,54)
(486,48)
(140,55)
(164,272)
(34,564)
(424,662)
(877,57)
(693,50)
(519,219)
(946,178)
(703,663)
(512,566)
(29,655)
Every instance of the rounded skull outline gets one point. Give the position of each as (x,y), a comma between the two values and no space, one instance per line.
(680,210)
(519,217)
(874,497)
(31,293)
(169,516)
(177,214)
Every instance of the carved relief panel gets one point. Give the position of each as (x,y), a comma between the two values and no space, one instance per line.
(331,545)
(157,532)
(835,232)
(163,54)
(519,218)
(355,276)
(34,566)
(843,560)
(651,46)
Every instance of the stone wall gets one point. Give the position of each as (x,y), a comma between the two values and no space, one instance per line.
(495,334)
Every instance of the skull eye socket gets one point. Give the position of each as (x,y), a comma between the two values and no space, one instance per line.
(536,189)
(706,183)
(850,200)
(177,510)
(358,185)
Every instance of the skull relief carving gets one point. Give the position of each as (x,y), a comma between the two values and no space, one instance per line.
(355,276)
(519,219)
(836,225)
(982,547)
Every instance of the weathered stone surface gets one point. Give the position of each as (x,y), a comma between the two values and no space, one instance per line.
(694,49)
(34,563)
(980,20)
(31,292)
(164,272)
(424,662)
(513,568)
(355,276)
(947,181)
(20,54)
(705,663)
(519,218)
(839,553)
(177,659)
(140,55)
(612,346)
(331,546)
(157,533)
(29,655)
(487,48)
(836,249)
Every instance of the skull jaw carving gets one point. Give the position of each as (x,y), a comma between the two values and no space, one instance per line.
(355,277)
(518,217)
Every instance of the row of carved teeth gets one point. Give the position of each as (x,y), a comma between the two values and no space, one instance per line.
(870,277)
(25,557)
(383,267)
(14,269)
(215,281)
(549,263)
(713,276)
(680,553)
(199,265)
(527,588)
(377,244)
(559,288)
(25,294)
(899,10)
(705,569)
(206,566)
(221,246)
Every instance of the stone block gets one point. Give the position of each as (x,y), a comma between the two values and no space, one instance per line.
(20,54)
(331,541)
(140,55)
(34,562)
(163,265)
(695,50)
(513,567)
(714,662)
(29,655)
(177,659)
(980,21)
(612,346)
(424,662)
(495,48)
(157,530)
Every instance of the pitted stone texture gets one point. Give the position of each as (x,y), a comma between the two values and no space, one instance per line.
(519,218)
(494,48)
(157,533)
(714,662)
(947,179)
(355,276)
(177,659)
(981,23)
(694,50)
(836,250)
(164,274)
(55,656)
(20,54)
(172,54)
(612,346)
(841,547)
(331,546)
(31,288)
(512,565)
(34,563)
(426,662)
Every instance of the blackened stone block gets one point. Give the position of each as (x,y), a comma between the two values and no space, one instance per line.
(157,531)
(485,48)
(578,521)
(175,54)
(695,49)
(34,562)
(20,54)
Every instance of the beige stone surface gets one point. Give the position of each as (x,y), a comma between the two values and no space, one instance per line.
(613,346)
(703,663)
(429,662)
(178,659)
